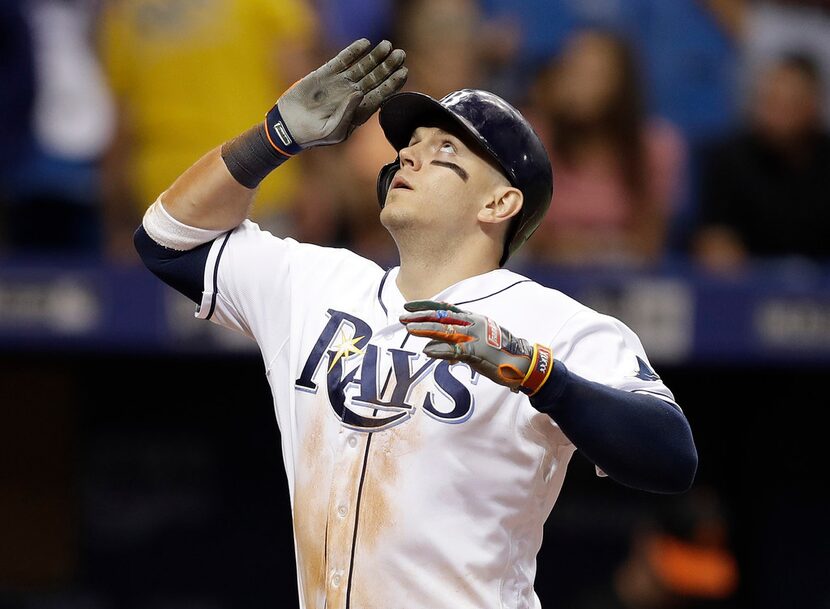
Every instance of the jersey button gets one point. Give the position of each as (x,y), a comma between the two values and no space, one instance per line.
(352,441)
(342,510)
(335,580)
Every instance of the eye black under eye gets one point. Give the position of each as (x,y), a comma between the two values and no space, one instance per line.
(459,170)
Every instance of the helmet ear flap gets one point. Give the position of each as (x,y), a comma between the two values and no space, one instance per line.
(387,172)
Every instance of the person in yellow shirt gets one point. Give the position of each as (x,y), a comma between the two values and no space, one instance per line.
(175,68)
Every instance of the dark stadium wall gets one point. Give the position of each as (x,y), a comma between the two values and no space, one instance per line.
(144,480)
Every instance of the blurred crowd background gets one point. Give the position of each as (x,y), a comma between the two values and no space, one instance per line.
(678,130)
(689,141)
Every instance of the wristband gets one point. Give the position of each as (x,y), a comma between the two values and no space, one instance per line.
(251,156)
(541,365)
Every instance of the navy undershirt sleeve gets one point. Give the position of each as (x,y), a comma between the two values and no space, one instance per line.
(639,440)
(182,271)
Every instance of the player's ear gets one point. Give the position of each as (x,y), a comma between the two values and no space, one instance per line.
(506,202)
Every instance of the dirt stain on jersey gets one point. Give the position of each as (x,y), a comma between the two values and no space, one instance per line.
(310,501)
(378,521)
(309,529)
(376,517)
(377,513)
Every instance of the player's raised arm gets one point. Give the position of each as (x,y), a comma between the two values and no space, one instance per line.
(214,195)
(323,108)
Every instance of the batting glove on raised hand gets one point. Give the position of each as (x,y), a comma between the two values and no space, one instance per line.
(479,342)
(328,104)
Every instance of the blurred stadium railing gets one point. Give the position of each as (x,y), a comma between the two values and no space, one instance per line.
(768,314)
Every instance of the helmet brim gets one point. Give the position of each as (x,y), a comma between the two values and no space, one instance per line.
(403,113)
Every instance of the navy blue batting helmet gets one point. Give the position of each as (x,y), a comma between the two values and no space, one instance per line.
(498,130)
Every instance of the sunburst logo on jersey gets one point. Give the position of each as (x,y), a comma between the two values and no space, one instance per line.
(345,349)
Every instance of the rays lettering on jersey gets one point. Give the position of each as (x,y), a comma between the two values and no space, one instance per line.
(355,388)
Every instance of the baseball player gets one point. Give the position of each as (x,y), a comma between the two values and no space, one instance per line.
(427,412)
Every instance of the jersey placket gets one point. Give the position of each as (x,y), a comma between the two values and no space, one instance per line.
(343,520)
(342,514)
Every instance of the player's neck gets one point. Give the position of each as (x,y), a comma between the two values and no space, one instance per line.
(422,277)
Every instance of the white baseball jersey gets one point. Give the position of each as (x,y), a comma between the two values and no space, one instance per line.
(415,483)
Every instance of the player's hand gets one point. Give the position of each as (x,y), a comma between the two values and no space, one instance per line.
(480,342)
(327,105)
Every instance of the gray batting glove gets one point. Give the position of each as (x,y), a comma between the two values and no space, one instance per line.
(479,342)
(327,105)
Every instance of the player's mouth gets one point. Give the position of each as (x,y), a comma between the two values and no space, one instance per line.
(399,182)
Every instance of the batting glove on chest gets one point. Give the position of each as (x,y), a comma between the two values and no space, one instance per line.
(481,343)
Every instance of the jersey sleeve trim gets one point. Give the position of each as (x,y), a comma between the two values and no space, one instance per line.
(658,394)
(205,309)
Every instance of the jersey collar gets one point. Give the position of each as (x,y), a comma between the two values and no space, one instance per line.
(462,293)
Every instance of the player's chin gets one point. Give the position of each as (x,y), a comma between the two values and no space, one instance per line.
(396,197)
(395,215)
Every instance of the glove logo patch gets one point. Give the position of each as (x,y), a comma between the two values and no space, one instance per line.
(544,360)
(282,133)
(493,334)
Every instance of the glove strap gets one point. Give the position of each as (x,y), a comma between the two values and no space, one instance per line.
(278,133)
(541,365)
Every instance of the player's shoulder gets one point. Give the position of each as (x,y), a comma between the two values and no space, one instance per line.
(530,295)
(553,311)
(316,260)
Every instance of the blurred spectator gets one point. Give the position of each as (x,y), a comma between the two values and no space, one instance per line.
(546,25)
(768,29)
(690,64)
(441,39)
(688,59)
(449,45)
(17,74)
(188,75)
(344,21)
(53,191)
(16,96)
(680,559)
(617,172)
(766,189)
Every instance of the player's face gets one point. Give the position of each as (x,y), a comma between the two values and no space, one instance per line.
(442,184)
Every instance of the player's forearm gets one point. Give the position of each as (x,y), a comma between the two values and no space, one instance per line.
(320,109)
(214,195)
(207,196)
(637,439)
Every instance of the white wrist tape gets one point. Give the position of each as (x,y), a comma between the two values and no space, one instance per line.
(165,230)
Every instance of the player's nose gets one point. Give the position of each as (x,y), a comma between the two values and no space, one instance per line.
(410,157)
